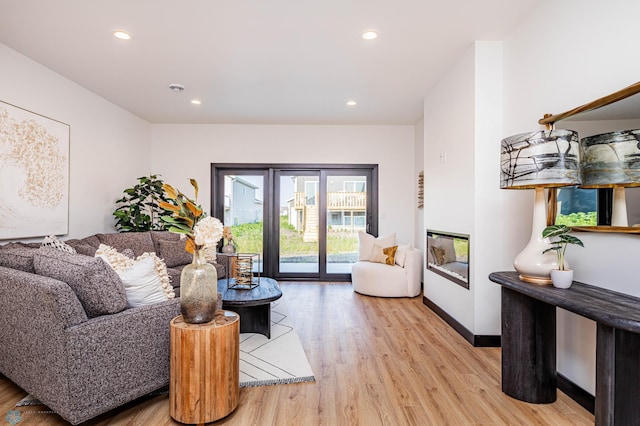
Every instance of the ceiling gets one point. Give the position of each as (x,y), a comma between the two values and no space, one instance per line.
(257,61)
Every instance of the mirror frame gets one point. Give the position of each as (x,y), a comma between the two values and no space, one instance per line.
(550,119)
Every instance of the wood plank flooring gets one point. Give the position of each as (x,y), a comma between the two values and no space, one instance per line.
(376,361)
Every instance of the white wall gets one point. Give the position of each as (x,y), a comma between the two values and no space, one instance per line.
(565,54)
(488,217)
(180,152)
(109,147)
(462,129)
(449,189)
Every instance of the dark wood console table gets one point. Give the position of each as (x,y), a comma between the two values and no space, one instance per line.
(529,344)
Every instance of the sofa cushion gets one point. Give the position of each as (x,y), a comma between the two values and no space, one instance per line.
(162,236)
(82,248)
(174,253)
(17,256)
(96,284)
(139,242)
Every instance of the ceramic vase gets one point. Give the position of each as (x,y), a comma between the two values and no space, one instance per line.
(198,290)
(562,278)
(229,248)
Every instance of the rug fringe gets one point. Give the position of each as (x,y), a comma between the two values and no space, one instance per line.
(286,381)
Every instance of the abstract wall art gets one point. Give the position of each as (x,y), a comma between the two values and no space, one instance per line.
(34,174)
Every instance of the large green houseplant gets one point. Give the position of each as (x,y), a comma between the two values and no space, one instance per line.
(139,209)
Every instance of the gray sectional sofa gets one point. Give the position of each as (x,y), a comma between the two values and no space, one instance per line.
(69,338)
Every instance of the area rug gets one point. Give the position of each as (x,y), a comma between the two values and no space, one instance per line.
(263,361)
(279,360)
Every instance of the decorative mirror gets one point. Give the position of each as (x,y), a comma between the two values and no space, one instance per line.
(610,201)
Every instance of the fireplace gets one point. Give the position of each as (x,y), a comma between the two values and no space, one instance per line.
(448,256)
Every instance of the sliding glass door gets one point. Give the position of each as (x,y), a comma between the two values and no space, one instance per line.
(303,219)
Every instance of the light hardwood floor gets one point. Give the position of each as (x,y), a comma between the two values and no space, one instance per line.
(376,361)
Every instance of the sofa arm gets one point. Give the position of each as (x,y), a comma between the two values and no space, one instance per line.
(113,359)
(413,268)
(34,313)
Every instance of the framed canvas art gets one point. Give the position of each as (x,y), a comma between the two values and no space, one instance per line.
(34,174)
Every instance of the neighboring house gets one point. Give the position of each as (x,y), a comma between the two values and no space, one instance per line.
(346,205)
(240,202)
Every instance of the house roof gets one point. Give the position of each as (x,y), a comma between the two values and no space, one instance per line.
(254,62)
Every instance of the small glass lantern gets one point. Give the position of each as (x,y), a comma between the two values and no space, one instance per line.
(242,272)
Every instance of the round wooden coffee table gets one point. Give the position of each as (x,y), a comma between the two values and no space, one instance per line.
(253,306)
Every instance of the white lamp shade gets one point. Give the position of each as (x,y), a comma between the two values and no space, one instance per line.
(546,158)
(611,159)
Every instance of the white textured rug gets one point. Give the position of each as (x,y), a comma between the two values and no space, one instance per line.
(278,360)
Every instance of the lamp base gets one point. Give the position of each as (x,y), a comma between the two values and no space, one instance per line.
(535,280)
(532,265)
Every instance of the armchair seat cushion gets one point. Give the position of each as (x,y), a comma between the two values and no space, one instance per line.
(379,279)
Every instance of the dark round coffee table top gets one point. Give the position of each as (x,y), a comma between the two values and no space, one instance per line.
(266,292)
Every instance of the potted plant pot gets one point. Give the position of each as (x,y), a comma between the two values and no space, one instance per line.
(562,278)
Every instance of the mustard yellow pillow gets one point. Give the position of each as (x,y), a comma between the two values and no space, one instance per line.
(438,254)
(384,255)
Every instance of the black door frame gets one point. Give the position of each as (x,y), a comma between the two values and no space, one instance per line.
(271,216)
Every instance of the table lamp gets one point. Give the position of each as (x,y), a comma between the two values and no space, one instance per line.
(539,160)
(612,160)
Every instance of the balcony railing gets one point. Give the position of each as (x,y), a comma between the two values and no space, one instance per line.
(337,200)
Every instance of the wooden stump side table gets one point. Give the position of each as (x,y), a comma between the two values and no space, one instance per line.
(205,368)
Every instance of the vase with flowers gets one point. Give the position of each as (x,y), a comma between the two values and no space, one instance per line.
(199,279)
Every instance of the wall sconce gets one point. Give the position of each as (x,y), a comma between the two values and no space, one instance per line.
(612,160)
(539,160)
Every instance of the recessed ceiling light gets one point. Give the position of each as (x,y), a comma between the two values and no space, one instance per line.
(370,35)
(122,35)
(196,102)
(352,103)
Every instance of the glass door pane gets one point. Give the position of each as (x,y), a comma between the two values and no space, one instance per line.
(346,212)
(298,225)
(244,213)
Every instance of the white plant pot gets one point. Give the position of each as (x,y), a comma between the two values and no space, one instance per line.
(562,278)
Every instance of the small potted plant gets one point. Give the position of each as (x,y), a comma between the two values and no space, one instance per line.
(561,277)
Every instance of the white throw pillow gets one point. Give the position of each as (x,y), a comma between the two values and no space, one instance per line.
(53,242)
(401,254)
(124,267)
(368,241)
(142,283)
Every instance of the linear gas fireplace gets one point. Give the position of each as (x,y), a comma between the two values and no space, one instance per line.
(448,256)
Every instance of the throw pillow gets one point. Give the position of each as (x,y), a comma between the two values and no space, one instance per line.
(384,255)
(439,255)
(53,242)
(449,250)
(150,283)
(142,283)
(96,284)
(401,255)
(367,241)
(173,253)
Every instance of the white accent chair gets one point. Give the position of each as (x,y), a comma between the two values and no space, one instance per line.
(379,279)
